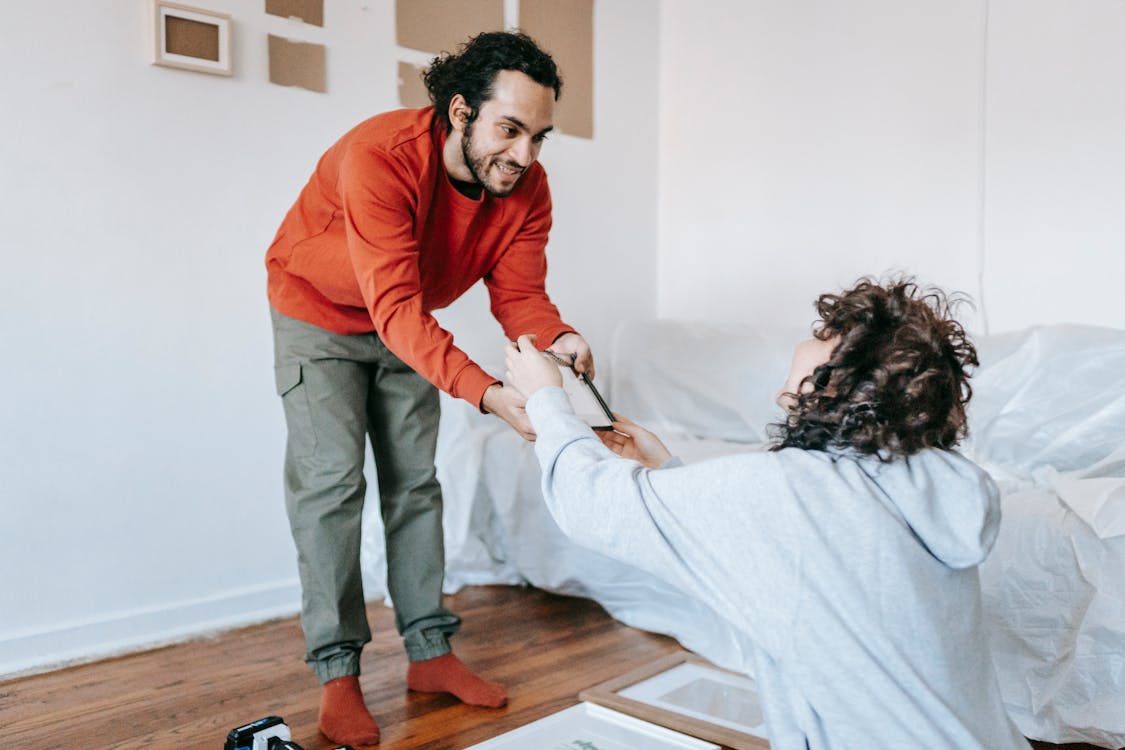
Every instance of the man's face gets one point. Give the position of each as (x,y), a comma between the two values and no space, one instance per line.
(807,356)
(510,128)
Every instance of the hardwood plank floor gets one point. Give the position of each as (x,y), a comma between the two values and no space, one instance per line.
(544,648)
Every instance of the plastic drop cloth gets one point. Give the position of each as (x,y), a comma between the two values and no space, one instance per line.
(1047,420)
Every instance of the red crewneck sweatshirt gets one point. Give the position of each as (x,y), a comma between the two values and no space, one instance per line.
(379,238)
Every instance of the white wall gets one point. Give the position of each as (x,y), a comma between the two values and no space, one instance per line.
(140,438)
(1056,162)
(978,145)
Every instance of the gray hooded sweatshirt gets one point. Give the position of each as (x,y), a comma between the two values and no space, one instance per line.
(855,579)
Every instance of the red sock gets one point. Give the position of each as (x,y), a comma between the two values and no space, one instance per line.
(448,674)
(344,717)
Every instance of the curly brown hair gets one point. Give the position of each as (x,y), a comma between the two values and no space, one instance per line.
(896,383)
(472,71)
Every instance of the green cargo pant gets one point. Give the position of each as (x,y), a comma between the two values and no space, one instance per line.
(338,390)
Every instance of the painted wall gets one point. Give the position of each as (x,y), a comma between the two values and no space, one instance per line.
(140,437)
(978,144)
(1055,163)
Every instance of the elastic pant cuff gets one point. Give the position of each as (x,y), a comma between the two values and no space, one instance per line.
(337,665)
(427,646)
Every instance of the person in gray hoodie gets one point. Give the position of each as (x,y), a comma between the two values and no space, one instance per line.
(848,553)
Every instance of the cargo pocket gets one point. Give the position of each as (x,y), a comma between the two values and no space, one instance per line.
(298,416)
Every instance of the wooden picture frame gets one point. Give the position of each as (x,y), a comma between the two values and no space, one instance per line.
(621,694)
(190,38)
(590,725)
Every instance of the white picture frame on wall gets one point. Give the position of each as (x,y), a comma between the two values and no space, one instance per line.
(190,38)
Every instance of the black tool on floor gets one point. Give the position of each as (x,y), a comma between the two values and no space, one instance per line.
(268,733)
(264,734)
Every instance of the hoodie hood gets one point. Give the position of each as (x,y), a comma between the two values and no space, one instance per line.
(950,504)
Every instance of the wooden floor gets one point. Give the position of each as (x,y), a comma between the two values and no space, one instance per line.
(544,648)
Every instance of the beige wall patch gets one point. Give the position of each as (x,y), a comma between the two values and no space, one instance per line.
(309,11)
(297,64)
(443,25)
(566,31)
(411,89)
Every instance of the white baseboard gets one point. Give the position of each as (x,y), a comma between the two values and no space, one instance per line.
(140,629)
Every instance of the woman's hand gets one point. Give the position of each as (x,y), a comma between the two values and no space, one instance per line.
(629,440)
(528,368)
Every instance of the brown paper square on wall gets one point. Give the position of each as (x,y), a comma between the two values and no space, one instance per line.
(309,11)
(297,64)
(565,28)
(411,89)
(191,38)
(443,25)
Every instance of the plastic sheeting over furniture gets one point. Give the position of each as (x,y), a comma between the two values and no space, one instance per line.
(1047,420)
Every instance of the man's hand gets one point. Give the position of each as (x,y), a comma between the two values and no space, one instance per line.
(572,344)
(508,404)
(630,440)
(528,368)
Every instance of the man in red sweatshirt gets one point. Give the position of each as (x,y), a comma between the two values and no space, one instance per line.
(403,214)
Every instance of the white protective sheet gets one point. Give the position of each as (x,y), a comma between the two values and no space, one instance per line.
(1047,420)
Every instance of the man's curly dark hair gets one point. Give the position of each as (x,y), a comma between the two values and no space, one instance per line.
(472,71)
(896,383)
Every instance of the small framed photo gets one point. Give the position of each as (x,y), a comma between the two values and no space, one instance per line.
(191,38)
(690,695)
(590,726)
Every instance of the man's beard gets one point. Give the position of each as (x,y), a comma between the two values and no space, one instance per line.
(479,166)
